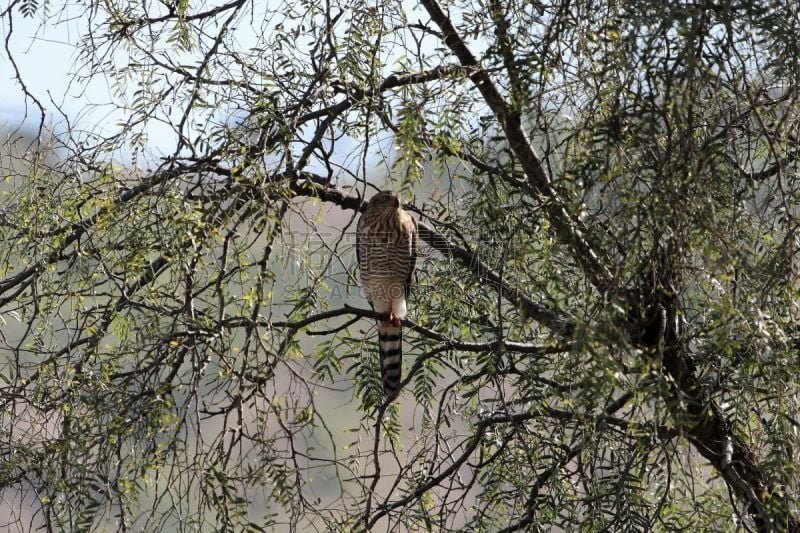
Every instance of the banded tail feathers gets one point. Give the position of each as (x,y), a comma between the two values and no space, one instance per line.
(390,347)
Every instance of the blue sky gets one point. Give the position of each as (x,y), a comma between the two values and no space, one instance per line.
(46,53)
(43,54)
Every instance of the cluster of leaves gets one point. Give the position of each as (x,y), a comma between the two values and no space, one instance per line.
(601,332)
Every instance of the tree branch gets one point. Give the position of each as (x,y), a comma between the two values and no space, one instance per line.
(707,430)
(568,228)
(469,260)
(297,325)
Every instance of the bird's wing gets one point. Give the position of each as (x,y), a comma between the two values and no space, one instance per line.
(358,243)
(412,258)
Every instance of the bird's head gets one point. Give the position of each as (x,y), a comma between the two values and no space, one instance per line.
(385,200)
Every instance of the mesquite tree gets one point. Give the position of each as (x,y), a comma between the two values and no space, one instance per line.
(602,330)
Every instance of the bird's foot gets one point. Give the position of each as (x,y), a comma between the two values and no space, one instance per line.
(394,319)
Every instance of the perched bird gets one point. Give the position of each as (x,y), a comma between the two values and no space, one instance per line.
(386,245)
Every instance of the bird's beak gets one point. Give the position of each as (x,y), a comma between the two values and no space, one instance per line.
(397,201)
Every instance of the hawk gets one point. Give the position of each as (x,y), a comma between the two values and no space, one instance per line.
(386,245)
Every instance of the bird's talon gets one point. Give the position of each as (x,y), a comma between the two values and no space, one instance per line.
(394,319)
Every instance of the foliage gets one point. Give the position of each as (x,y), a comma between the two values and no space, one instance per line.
(602,331)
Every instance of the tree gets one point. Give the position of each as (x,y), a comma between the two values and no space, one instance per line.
(602,331)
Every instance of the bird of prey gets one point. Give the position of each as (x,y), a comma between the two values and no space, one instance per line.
(386,245)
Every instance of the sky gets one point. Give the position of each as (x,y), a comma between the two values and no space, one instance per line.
(44,55)
(47,56)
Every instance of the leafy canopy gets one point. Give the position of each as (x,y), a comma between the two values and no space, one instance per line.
(602,329)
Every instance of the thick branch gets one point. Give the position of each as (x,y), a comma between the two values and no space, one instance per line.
(708,431)
(702,422)
(569,229)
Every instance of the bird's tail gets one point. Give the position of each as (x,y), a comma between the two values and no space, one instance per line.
(390,346)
